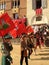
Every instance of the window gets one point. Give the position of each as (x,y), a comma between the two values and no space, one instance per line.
(15,16)
(44,3)
(18,2)
(2,6)
(15,3)
(39,3)
(34,4)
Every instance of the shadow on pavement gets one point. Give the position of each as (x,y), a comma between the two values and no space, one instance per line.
(42,58)
(45,54)
(45,51)
(46,48)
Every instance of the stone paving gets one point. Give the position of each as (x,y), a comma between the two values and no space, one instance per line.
(42,57)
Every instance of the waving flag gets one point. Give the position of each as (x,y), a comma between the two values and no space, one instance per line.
(6,24)
(13,33)
(18,31)
(29,29)
(21,29)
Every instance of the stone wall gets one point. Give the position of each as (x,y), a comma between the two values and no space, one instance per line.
(31,12)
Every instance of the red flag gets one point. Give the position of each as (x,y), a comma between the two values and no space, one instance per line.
(21,29)
(5,19)
(29,29)
(38,11)
(17,32)
(24,20)
(13,33)
(18,21)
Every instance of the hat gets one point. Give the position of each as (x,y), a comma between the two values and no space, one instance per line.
(7,36)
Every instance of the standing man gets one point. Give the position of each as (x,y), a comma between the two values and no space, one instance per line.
(5,49)
(24,50)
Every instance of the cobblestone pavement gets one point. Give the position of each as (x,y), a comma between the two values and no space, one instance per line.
(42,57)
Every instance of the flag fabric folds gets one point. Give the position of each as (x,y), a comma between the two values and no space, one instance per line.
(29,29)
(6,24)
(15,28)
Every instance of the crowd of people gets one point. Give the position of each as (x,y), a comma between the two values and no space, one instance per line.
(29,43)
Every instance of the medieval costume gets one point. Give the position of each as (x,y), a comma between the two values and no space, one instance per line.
(6,47)
(30,45)
(38,39)
(23,50)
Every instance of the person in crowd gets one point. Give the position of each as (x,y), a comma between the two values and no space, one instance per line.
(30,44)
(6,47)
(33,40)
(38,40)
(24,50)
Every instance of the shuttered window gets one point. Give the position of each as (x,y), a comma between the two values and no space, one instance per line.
(2,6)
(34,4)
(44,3)
(15,3)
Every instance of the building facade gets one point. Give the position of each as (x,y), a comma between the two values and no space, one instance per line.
(32,5)
(20,8)
(14,8)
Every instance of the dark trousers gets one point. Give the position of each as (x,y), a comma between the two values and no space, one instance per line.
(8,60)
(30,52)
(22,57)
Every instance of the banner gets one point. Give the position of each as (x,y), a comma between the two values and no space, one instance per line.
(13,33)
(6,24)
(21,29)
(39,11)
(29,29)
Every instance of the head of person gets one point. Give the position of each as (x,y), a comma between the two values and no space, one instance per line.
(31,35)
(28,34)
(24,37)
(6,38)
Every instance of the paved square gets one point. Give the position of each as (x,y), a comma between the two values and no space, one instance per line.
(42,57)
